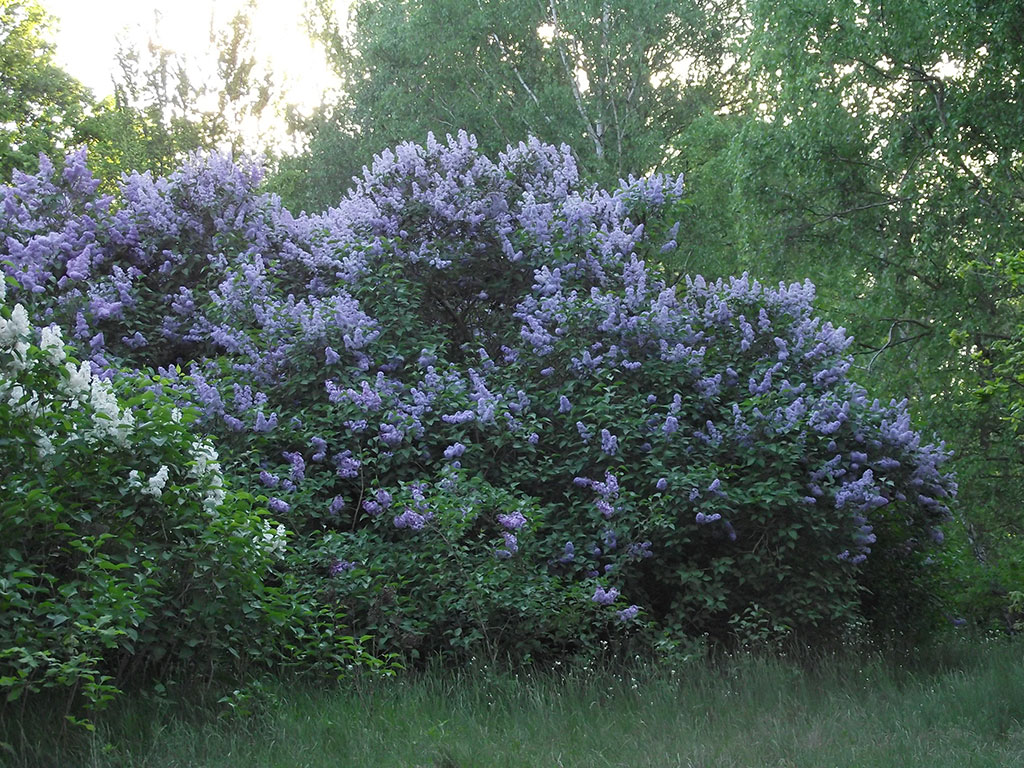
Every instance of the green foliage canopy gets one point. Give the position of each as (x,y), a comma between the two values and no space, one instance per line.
(617,81)
(41,106)
(882,159)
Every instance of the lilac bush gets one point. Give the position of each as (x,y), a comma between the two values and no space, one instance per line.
(637,448)
(124,549)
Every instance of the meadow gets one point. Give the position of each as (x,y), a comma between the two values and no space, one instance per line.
(957,704)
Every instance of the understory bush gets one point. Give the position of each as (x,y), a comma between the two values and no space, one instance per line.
(487,418)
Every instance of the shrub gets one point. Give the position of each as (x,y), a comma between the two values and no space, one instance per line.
(125,552)
(471,384)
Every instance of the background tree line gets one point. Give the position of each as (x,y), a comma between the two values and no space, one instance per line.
(872,147)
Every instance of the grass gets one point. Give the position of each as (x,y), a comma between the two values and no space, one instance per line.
(962,707)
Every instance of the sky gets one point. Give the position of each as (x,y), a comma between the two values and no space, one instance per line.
(88,30)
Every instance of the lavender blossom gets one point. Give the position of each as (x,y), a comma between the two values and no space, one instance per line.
(628,614)
(410,519)
(605,597)
(278,506)
(513,521)
(609,442)
(454,451)
(340,566)
(568,553)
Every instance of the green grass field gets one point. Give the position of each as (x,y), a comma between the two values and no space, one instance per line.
(958,706)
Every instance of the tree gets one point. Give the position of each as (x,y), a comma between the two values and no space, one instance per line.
(165,106)
(615,80)
(41,106)
(882,160)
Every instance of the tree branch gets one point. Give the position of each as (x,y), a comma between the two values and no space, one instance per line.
(571,75)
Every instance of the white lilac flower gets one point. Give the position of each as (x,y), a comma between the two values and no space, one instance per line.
(204,460)
(52,343)
(44,445)
(15,329)
(155,484)
(274,540)
(78,381)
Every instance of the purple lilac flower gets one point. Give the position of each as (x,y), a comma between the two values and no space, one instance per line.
(454,450)
(703,519)
(347,464)
(662,484)
(533,438)
(459,417)
(298,472)
(337,504)
(264,424)
(390,435)
(564,406)
(277,506)
(513,521)
(605,597)
(639,551)
(269,480)
(340,566)
(568,554)
(319,448)
(609,488)
(410,519)
(730,531)
(610,540)
(628,614)
(331,356)
(609,442)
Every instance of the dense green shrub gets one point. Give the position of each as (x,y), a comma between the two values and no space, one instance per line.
(125,554)
(489,421)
